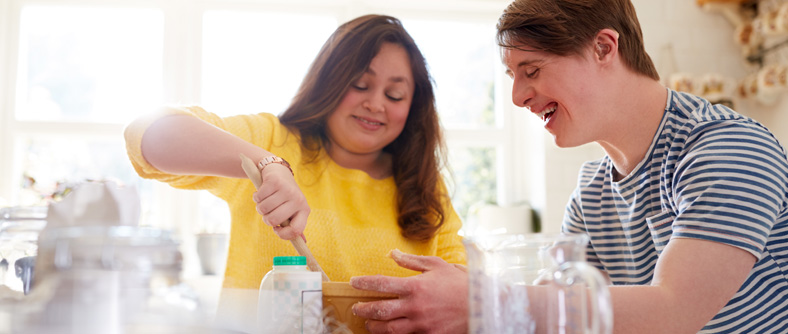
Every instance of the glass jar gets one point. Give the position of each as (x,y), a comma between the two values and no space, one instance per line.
(291,298)
(19,230)
(108,279)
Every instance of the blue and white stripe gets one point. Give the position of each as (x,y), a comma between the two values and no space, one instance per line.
(710,174)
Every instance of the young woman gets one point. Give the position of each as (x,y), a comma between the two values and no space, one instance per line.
(353,162)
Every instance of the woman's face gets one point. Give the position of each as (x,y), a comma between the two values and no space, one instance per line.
(561,91)
(374,110)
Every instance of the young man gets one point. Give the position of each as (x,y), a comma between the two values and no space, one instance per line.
(687,212)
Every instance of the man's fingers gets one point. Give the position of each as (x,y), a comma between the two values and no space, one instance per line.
(380,283)
(387,309)
(415,262)
(401,325)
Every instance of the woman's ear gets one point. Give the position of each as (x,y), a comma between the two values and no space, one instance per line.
(606,44)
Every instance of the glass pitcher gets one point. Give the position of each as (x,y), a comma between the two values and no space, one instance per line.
(568,296)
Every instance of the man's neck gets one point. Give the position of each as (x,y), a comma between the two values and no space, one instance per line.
(641,108)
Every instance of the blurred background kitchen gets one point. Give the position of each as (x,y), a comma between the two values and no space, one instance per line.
(74,72)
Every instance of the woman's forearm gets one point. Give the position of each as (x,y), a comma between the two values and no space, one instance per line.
(182,144)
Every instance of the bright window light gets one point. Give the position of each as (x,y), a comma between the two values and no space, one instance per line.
(89,64)
(254,62)
(462,63)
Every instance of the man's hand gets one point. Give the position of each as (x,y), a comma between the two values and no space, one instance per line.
(435,301)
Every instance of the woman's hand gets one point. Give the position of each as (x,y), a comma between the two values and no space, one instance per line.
(434,302)
(280,200)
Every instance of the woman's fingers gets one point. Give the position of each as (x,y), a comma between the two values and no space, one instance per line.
(280,201)
(277,209)
(298,221)
(295,229)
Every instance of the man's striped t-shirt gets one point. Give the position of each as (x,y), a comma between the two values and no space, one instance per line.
(710,174)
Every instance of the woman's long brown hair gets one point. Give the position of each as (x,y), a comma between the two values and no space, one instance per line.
(417,153)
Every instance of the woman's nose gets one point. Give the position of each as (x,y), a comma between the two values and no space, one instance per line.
(374,104)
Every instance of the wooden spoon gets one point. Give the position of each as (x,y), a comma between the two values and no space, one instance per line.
(251,171)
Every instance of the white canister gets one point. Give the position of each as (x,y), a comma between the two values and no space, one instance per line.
(291,298)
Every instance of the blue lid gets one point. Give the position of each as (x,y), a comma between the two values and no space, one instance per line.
(289,260)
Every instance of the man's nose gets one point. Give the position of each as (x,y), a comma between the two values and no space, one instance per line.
(522,93)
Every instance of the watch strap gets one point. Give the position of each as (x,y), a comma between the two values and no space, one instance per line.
(272,159)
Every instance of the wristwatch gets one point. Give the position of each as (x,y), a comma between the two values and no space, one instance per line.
(273,160)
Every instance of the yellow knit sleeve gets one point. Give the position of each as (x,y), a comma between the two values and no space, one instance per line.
(133,135)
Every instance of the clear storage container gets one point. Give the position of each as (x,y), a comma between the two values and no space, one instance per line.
(19,230)
(108,279)
(290,299)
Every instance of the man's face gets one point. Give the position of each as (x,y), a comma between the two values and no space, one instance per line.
(557,89)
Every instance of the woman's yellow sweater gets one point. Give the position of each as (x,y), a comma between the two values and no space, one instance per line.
(353,221)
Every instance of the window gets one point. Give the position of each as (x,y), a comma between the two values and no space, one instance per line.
(81,73)
(251,64)
(80,70)
(463,65)
(80,64)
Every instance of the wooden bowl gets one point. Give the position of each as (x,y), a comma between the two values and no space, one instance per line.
(338,300)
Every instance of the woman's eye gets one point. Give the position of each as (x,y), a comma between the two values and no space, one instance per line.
(394,97)
(360,86)
(532,73)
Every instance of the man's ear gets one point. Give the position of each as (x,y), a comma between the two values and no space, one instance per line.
(606,44)
(602,50)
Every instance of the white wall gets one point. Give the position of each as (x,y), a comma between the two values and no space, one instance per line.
(702,43)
